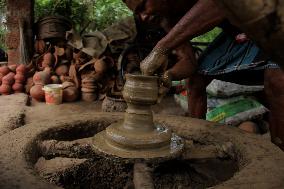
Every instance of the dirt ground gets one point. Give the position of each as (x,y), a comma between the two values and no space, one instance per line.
(69,123)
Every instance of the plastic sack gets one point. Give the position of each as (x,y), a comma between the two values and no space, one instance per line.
(219,88)
(236,110)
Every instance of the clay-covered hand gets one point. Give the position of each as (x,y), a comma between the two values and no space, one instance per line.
(157,59)
(165,85)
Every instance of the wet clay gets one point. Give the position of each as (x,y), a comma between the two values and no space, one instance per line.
(137,136)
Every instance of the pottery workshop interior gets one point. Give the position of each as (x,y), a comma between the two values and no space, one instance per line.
(141,94)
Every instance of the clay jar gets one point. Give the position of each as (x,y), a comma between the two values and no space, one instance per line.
(48,60)
(5,89)
(70,92)
(41,78)
(18,87)
(37,93)
(55,79)
(21,69)
(139,89)
(62,70)
(4,70)
(8,79)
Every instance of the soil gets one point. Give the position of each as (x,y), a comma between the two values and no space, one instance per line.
(55,143)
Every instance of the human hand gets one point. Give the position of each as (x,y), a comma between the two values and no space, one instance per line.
(157,59)
(165,85)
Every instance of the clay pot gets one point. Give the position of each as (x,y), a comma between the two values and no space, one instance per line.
(48,60)
(70,94)
(41,78)
(141,89)
(5,89)
(89,97)
(54,79)
(37,93)
(19,78)
(67,84)
(4,70)
(62,70)
(249,127)
(22,69)
(8,79)
(18,87)
(13,67)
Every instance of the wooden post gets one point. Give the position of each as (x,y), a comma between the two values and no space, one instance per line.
(17,11)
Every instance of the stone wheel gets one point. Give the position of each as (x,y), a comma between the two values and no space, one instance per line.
(59,154)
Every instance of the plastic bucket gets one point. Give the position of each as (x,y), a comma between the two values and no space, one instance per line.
(53,94)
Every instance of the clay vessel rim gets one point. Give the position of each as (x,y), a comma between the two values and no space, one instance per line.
(141,76)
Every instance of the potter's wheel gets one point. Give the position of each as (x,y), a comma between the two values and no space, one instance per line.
(137,136)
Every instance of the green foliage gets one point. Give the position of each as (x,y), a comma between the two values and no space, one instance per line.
(108,12)
(209,36)
(3,28)
(98,14)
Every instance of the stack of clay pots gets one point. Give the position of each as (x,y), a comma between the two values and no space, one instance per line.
(40,79)
(89,89)
(7,80)
(70,92)
(20,78)
(11,82)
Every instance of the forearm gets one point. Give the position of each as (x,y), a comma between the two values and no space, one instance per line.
(201,18)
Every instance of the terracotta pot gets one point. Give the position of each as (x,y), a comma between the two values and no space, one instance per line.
(19,78)
(48,60)
(141,89)
(67,84)
(13,67)
(8,79)
(55,79)
(5,89)
(89,97)
(18,87)
(22,69)
(70,94)
(62,70)
(37,93)
(4,70)
(41,78)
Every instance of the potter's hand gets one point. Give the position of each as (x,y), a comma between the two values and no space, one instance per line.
(165,85)
(157,59)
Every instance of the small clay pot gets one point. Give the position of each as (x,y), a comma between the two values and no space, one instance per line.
(70,94)
(8,79)
(19,78)
(67,84)
(55,79)
(48,60)
(100,66)
(88,90)
(18,87)
(5,89)
(4,70)
(89,97)
(22,69)
(13,67)
(41,78)
(37,93)
(62,70)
